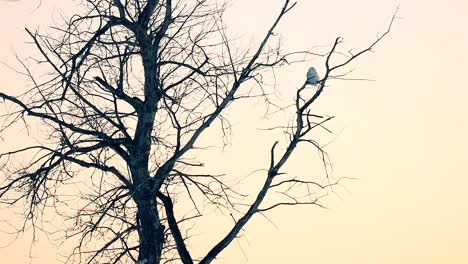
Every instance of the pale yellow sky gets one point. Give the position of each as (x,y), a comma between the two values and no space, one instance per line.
(404,136)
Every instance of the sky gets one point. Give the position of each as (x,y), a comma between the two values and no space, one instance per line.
(402,136)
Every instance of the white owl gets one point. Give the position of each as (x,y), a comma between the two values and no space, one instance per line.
(312,76)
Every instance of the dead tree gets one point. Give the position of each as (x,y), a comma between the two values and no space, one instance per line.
(130,88)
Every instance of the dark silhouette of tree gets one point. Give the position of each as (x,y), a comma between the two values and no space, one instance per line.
(131,87)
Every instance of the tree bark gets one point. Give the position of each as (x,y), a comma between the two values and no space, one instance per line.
(151,232)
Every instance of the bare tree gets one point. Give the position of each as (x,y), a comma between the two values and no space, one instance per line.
(130,88)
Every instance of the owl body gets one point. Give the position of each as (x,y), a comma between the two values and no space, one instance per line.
(312,76)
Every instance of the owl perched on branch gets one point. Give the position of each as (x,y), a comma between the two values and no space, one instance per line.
(312,76)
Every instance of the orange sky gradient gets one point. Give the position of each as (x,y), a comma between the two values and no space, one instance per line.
(403,136)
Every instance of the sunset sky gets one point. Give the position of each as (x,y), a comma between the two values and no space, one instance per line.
(403,136)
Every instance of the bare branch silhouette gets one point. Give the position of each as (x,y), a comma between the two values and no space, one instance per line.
(131,87)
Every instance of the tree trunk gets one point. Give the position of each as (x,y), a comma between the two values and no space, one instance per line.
(151,232)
